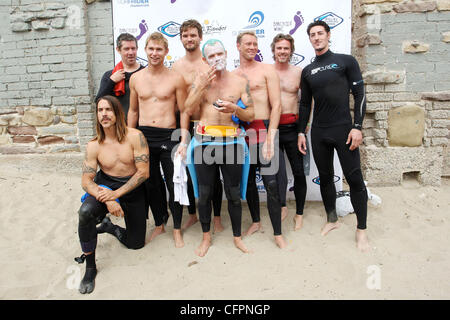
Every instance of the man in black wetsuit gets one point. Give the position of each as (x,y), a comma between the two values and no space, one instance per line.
(329,80)
(115,82)
(122,154)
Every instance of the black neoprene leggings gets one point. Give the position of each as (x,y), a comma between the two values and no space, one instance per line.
(324,141)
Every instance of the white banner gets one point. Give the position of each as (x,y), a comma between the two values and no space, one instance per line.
(224,20)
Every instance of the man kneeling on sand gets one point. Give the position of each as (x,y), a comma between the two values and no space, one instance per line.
(122,154)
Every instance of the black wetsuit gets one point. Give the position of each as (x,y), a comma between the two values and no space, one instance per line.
(160,147)
(107,88)
(288,142)
(133,205)
(267,171)
(329,80)
(207,170)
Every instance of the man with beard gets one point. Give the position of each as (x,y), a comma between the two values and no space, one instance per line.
(282,48)
(122,155)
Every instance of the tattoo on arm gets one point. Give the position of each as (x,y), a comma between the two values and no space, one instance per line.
(142,158)
(133,183)
(87,169)
(142,140)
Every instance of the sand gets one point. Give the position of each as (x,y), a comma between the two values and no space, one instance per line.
(409,256)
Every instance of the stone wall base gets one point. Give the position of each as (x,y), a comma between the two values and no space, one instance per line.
(386,166)
(50,163)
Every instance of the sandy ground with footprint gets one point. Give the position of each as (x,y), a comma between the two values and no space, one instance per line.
(409,237)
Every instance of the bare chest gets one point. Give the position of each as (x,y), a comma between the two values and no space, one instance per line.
(155,89)
(114,157)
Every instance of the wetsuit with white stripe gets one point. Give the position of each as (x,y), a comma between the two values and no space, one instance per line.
(329,80)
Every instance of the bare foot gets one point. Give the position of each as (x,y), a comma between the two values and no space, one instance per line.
(156,232)
(240,245)
(298,220)
(279,240)
(204,246)
(218,225)
(253,228)
(192,220)
(178,237)
(362,242)
(284,213)
(328,227)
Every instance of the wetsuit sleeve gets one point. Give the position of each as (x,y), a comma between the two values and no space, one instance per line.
(357,86)
(304,108)
(106,86)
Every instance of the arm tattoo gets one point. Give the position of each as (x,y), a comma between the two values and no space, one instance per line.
(142,140)
(142,158)
(132,183)
(86,169)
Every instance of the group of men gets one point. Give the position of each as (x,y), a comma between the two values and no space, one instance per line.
(244,120)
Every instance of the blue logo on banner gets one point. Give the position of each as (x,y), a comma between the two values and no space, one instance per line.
(255,19)
(296,59)
(316,180)
(170,29)
(332,19)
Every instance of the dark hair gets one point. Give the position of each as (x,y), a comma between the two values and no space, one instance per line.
(280,37)
(121,126)
(191,23)
(318,23)
(125,37)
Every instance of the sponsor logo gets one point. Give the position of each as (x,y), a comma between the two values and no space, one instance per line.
(134,3)
(316,180)
(298,20)
(259,56)
(296,59)
(328,67)
(332,19)
(278,26)
(213,27)
(128,30)
(170,29)
(256,18)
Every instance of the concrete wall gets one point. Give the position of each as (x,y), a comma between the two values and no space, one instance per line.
(53,54)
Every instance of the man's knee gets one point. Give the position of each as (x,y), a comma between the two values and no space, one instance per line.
(85,214)
(233,194)
(272,189)
(326,179)
(355,180)
(205,193)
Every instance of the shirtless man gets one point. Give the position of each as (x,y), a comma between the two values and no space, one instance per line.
(215,94)
(155,94)
(122,155)
(265,90)
(189,67)
(282,49)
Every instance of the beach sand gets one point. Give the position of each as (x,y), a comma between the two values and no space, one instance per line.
(409,256)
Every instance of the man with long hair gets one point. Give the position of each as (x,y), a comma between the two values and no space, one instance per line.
(122,155)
